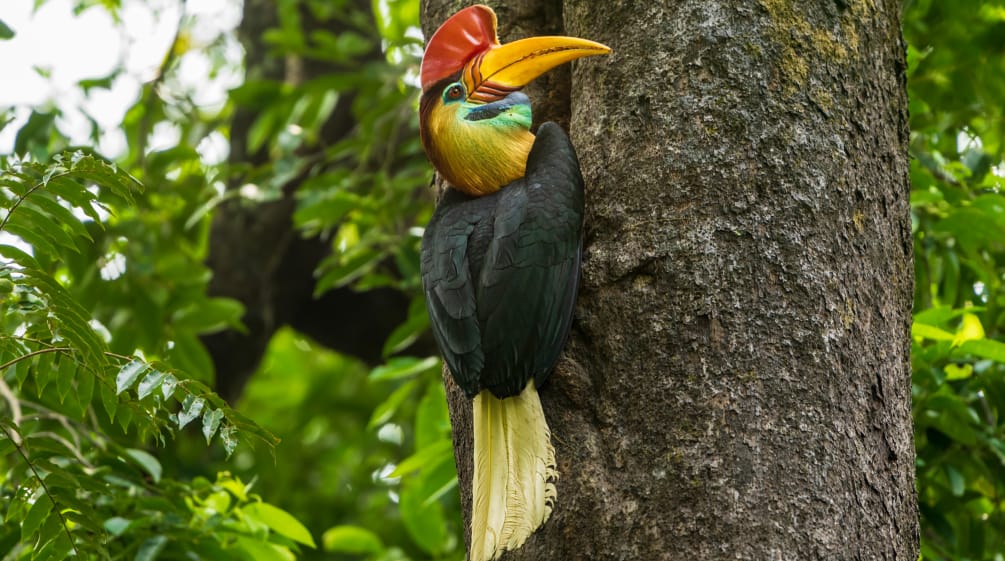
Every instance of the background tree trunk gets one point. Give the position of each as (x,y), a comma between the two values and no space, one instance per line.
(737,385)
(257,255)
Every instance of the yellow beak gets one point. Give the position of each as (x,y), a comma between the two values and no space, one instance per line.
(506,68)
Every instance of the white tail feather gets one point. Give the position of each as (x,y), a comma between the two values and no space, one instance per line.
(513,489)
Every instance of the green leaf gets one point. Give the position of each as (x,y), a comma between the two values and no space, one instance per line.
(953,417)
(6,444)
(150,383)
(326,208)
(27,219)
(45,369)
(924,331)
(424,521)
(341,271)
(228,435)
(36,130)
(218,503)
(21,370)
(957,483)
(128,375)
(211,315)
(406,333)
(125,418)
(280,521)
(85,389)
(426,458)
(985,348)
(432,420)
(439,482)
(403,367)
(147,462)
(51,529)
(5,31)
(151,548)
(352,540)
(82,515)
(64,385)
(117,525)
(263,551)
(168,386)
(109,401)
(191,408)
(210,423)
(970,329)
(36,515)
(106,174)
(386,409)
(38,242)
(958,372)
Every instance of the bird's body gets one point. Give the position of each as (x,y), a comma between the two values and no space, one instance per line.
(500,258)
(501,271)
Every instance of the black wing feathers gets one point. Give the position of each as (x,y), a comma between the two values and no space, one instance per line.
(501,271)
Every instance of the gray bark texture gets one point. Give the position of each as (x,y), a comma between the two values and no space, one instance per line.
(737,384)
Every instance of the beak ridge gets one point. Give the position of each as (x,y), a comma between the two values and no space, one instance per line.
(503,69)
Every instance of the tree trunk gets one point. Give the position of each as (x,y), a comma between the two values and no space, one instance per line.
(737,385)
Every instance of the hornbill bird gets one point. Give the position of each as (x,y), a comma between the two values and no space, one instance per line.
(500,257)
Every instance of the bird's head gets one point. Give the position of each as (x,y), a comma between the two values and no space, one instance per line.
(473,119)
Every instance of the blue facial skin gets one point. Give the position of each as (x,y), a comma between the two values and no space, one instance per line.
(518,102)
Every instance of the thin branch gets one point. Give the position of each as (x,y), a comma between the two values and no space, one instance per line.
(14,361)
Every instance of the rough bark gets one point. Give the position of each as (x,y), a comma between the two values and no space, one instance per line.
(260,259)
(737,385)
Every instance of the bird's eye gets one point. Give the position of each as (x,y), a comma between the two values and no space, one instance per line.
(454,93)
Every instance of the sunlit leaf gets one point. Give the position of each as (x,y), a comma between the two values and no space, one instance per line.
(958,372)
(229,437)
(210,423)
(128,375)
(190,410)
(970,330)
(352,540)
(150,383)
(280,521)
(922,330)
(263,551)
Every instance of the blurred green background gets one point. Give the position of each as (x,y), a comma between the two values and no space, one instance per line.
(105,400)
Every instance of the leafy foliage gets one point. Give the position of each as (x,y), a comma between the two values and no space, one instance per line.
(110,285)
(958,211)
(68,482)
(382,481)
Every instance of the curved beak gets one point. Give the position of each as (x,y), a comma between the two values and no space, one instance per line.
(504,69)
